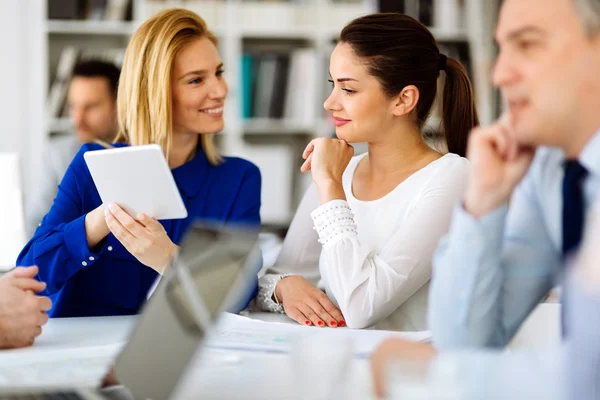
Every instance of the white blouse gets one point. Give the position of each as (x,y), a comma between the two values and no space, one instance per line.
(372,258)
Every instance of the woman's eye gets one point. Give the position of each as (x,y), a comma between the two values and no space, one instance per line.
(349,91)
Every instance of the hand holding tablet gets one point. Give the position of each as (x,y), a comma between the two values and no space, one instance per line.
(137,188)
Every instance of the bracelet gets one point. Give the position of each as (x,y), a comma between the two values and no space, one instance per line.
(279,306)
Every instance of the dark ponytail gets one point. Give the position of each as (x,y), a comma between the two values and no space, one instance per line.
(459,115)
(400,51)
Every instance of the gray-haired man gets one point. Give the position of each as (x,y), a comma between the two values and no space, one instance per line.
(498,261)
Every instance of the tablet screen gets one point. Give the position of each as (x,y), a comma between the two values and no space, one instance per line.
(138,179)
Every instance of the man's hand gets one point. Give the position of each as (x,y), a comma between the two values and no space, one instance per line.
(396,349)
(22,312)
(498,164)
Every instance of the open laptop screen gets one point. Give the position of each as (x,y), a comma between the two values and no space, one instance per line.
(214,270)
(214,267)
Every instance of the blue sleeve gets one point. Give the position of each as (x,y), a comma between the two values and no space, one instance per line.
(488,274)
(59,246)
(582,367)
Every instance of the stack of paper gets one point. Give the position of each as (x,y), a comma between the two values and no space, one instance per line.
(240,333)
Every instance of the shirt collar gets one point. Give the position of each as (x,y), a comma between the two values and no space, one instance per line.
(590,155)
(190,175)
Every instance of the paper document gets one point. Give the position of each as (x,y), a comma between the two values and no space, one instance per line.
(240,333)
(70,351)
(80,367)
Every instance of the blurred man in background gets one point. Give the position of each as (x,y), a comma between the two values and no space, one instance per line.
(92,109)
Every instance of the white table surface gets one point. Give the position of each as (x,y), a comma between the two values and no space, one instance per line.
(229,374)
(213,374)
(254,375)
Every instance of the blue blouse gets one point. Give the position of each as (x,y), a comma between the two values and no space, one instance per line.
(108,280)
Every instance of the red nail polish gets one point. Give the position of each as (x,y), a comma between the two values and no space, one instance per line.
(307,322)
(342,323)
(333,323)
(320,323)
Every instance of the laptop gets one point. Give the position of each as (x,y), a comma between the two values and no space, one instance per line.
(212,273)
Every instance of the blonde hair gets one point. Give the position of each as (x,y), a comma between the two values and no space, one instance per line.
(144,97)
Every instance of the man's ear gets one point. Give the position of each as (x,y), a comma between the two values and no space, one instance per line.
(406,101)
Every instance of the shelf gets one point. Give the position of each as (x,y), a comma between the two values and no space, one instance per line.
(265,126)
(270,26)
(295,32)
(83,27)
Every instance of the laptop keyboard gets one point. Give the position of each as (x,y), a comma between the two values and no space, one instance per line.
(42,396)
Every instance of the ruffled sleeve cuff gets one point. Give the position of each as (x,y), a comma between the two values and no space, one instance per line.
(334,221)
(266,299)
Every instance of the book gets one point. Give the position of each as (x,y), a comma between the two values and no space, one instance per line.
(248,66)
(96,10)
(65,9)
(302,90)
(93,10)
(280,86)
(265,85)
(117,10)
(58,91)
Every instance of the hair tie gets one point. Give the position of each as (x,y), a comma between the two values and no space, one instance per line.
(443,62)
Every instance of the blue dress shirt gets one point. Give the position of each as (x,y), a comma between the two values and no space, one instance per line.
(582,366)
(489,273)
(108,280)
(570,370)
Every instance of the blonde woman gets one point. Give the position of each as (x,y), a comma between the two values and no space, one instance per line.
(95,258)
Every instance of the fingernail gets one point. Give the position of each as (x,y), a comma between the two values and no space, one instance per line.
(320,323)
(342,323)
(112,206)
(307,322)
(106,212)
(333,323)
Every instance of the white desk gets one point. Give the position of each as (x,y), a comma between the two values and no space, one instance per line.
(242,375)
(253,375)
(259,375)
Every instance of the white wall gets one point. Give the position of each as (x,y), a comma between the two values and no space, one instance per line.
(23,83)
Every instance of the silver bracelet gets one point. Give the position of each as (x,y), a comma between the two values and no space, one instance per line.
(279,306)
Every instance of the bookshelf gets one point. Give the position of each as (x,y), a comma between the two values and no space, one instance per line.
(303,32)
(124,28)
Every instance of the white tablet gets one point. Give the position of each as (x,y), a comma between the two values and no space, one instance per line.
(138,179)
